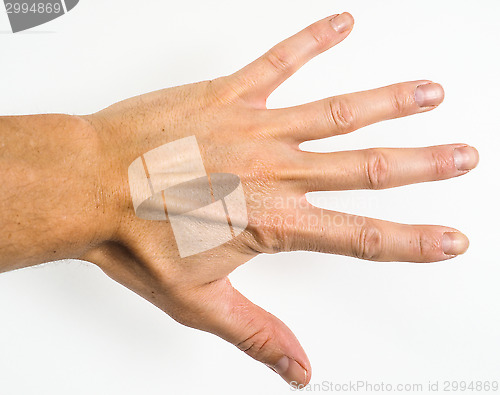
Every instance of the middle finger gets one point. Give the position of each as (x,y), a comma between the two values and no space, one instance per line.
(381,168)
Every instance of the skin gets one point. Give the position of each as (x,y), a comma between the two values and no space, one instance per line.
(65,189)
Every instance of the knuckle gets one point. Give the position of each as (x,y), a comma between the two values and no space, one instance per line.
(281,58)
(377,169)
(271,233)
(401,102)
(369,243)
(257,344)
(222,90)
(321,36)
(424,245)
(341,115)
(442,163)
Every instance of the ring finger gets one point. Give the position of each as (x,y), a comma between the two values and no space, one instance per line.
(346,113)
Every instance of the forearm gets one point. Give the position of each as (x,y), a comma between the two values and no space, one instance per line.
(52,202)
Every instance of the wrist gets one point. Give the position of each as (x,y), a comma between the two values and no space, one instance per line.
(110,181)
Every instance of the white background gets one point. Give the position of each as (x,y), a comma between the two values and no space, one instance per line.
(65,328)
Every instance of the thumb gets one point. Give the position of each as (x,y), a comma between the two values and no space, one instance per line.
(228,314)
(216,307)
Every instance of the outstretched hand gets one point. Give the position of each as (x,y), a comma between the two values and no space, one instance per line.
(237,134)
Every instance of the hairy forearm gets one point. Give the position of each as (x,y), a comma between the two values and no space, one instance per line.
(51,197)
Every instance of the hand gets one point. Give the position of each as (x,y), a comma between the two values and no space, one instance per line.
(237,134)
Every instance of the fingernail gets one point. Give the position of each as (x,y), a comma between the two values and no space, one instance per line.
(466,158)
(342,22)
(427,95)
(290,371)
(454,243)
